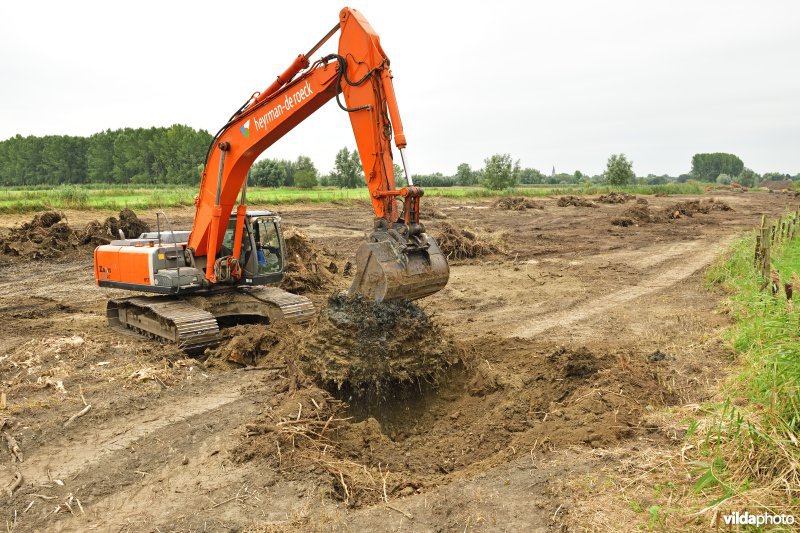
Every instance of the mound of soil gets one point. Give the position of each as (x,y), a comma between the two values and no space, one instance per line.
(462,243)
(511,401)
(517,203)
(46,236)
(623,221)
(128,222)
(369,348)
(641,213)
(616,198)
(692,207)
(428,212)
(777,185)
(576,201)
(307,268)
(250,345)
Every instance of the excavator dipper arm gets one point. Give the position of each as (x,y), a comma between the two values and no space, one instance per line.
(399,260)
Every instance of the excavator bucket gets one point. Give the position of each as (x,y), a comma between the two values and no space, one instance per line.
(386,271)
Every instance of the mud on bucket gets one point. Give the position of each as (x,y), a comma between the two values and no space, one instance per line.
(384,272)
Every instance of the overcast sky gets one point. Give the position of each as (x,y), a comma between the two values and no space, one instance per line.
(560,84)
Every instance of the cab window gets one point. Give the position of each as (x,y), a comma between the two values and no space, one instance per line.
(227,241)
(268,247)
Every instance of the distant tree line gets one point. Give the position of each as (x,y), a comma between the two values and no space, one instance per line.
(140,155)
(175,155)
(727,168)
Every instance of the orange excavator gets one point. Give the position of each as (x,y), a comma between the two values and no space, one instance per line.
(226,267)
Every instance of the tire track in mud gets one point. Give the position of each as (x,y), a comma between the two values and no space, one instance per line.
(648,285)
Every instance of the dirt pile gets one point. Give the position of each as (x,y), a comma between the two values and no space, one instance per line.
(517,203)
(431,212)
(48,235)
(777,185)
(373,349)
(642,213)
(462,243)
(511,401)
(97,233)
(615,198)
(692,207)
(369,353)
(250,345)
(130,225)
(576,201)
(307,268)
(638,214)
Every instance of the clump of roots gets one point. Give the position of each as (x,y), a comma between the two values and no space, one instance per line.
(463,244)
(575,201)
(517,203)
(307,269)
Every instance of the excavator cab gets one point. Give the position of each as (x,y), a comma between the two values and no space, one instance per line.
(262,256)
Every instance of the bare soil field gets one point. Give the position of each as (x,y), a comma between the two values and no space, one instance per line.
(560,337)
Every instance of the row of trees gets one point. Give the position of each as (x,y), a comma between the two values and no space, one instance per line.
(175,155)
(303,173)
(501,171)
(141,155)
(727,168)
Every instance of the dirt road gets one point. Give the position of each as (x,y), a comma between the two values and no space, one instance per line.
(572,338)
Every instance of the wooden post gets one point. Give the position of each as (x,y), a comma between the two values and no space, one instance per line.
(759,253)
(765,259)
(797,221)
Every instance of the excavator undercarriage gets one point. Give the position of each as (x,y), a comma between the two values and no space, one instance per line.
(193,322)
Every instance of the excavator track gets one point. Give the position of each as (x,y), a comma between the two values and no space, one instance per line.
(167,319)
(191,322)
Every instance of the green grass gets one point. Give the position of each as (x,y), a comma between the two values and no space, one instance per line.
(749,451)
(115,197)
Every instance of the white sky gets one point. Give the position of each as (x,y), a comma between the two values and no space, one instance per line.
(560,84)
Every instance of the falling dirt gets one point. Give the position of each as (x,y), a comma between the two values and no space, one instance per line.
(462,243)
(373,349)
(575,201)
(517,203)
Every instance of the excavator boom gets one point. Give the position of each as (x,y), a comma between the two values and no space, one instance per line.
(399,260)
(221,270)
